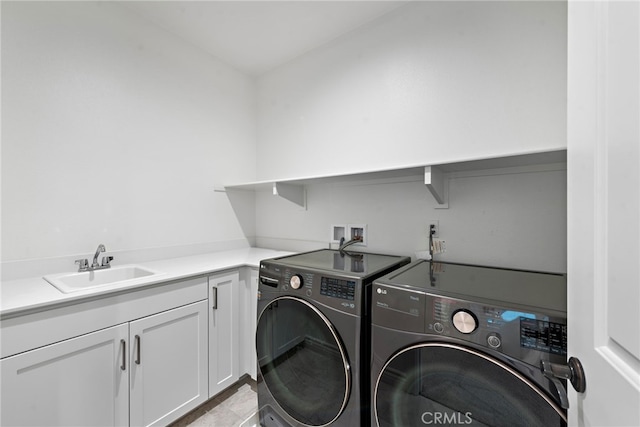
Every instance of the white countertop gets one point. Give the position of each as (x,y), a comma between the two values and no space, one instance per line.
(35,293)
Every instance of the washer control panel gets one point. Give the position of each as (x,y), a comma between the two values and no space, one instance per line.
(517,332)
(529,335)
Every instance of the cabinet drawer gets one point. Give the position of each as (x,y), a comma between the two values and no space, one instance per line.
(35,330)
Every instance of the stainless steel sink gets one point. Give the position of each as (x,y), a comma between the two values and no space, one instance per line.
(113,277)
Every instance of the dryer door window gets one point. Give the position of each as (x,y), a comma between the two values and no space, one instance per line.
(446,384)
(302,361)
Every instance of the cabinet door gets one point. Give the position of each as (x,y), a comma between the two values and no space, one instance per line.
(168,360)
(82,381)
(251,316)
(248,298)
(224,360)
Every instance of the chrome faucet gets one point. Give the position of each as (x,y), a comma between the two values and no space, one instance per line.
(83,264)
(101,248)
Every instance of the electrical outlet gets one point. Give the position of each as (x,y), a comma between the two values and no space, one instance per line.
(436,227)
(355,231)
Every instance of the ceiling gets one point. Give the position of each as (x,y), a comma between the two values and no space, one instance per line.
(257,36)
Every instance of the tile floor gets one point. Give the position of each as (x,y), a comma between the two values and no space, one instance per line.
(234,407)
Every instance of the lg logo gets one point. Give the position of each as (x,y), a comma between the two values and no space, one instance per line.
(381,291)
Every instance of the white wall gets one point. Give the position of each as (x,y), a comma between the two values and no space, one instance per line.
(114,131)
(515,220)
(433,82)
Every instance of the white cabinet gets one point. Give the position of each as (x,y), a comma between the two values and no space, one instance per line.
(172,348)
(168,364)
(248,320)
(224,331)
(82,381)
(148,371)
(252,365)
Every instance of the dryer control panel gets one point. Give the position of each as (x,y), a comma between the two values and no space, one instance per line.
(338,288)
(339,293)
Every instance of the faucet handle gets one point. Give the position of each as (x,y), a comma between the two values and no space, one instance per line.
(83,264)
(106,260)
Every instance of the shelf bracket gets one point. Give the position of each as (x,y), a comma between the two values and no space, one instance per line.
(436,182)
(294,193)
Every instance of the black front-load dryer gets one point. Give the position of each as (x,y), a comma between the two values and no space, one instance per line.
(313,337)
(456,344)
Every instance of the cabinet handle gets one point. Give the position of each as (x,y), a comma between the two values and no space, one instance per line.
(214,297)
(137,349)
(123,347)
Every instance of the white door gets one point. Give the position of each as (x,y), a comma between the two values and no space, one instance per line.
(168,360)
(82,381)
(603,209)
(224,330)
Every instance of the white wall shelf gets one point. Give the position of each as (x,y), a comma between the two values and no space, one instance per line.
(295,193)
(435,176)
(434,179)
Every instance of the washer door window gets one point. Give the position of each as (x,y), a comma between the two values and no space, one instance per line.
(444,384)
(302,361)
